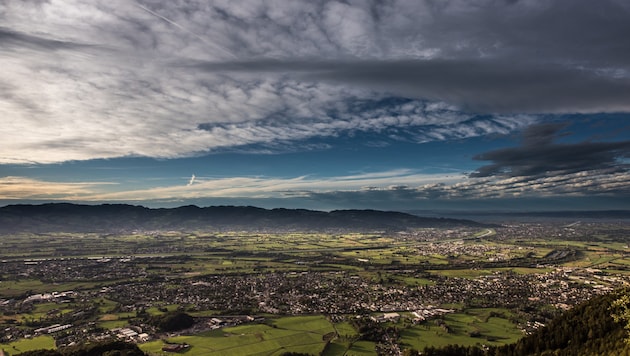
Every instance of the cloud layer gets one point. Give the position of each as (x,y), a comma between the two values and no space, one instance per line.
(539,156)
(104,79)
(401,188)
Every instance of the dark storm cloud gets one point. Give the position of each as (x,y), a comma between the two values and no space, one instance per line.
(539,155)
(480,85)
(542,134)
(578,32)
(483,56)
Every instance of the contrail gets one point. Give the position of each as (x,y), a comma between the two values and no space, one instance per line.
(213,45)
(191,181)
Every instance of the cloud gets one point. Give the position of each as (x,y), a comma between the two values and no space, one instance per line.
(539,156)
(385,190)
(477,85)
(516,193)
(15,39)
(105,79)
(24,188)
(272,187)
(202,39)
(413,121)
(205,187)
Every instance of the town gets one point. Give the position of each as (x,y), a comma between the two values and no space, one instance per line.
(525,274)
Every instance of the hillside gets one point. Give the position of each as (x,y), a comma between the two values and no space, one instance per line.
(588,329)
(64,217)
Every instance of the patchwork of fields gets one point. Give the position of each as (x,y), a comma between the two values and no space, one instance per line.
(311,293)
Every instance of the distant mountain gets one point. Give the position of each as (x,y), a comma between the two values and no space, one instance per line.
(595,214)
(568,215)
(120,217)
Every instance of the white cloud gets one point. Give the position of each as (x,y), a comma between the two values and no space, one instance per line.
(23,188)
(274,187)
(370,188)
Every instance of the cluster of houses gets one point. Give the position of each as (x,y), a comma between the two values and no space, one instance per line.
(130,334)
(343,292)
(73,269)
(487,252)
(59,297)
(423,314)
(52,329)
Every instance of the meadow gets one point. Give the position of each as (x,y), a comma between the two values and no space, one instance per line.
(470,327)
(304,334)
(30,344)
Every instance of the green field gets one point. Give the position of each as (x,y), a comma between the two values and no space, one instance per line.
(362,348)
(289,334)
(113,324)
(487,329)
(23,345)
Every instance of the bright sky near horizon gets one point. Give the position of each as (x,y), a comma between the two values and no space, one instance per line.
(401,105)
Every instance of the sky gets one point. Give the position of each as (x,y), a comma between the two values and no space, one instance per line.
(396,105)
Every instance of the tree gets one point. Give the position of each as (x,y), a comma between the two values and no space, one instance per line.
(172,321)
(620,308)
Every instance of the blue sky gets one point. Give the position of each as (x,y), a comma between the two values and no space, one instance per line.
(402,105)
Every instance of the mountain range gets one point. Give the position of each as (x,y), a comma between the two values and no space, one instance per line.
(66,217)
